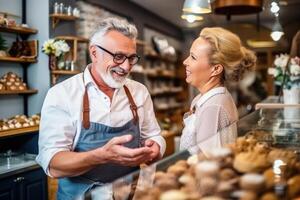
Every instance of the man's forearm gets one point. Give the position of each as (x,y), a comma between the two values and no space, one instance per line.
(66,163)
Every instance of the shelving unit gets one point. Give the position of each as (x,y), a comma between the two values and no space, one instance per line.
(18,59)
(24,61)
(56,73)
(21,181)
(58,17)
(18,92)
(265,58)
(173,75)
(159,58)
(73,41)
(18,131)
(18,30)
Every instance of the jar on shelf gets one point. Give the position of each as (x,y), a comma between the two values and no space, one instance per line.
(69,10)
(61,8)
(56,8)
(76,12)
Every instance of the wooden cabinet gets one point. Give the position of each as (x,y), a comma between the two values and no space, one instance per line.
(24,186)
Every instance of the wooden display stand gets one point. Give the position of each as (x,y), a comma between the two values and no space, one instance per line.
(73,42)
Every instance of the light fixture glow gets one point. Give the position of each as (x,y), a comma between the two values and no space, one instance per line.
(191,17)
(275,9)
(276,35)
(197,6)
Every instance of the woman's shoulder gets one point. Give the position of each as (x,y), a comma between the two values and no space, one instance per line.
(222,102)
(217,98)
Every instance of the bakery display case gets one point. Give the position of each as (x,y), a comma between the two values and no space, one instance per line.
(263,164)
(279,127)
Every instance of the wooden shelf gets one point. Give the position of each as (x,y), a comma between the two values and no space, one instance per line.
(19,131)
(17,59)
(161,75)
(57,17)
(169,108)
(72,38)
(18,29)
(165,93)
(12,92)
(157,57)
(140,42)
(56,73)
(65,72)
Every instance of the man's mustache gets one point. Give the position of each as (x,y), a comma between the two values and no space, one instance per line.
(119,70)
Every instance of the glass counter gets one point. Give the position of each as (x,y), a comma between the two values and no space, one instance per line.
(279,127)
(271,170)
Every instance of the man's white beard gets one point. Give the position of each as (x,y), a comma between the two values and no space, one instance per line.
(110,81)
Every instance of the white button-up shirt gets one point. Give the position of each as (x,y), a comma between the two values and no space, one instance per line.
(61,116)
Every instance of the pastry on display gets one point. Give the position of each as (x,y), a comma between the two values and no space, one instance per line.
(253,182)
(2,87)
(245,170)
(12,81)
(19,121)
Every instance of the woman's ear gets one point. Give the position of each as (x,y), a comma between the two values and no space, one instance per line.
(217,69)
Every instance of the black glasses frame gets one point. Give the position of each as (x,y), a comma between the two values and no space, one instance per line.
(118,61)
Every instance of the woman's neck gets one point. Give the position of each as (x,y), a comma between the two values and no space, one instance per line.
(214,83)
(101,84)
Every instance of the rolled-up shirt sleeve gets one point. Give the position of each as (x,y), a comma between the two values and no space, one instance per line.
(150,128)
(57,131)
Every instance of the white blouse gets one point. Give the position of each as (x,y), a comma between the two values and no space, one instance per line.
(213,124)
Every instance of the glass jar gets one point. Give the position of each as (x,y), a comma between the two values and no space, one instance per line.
(56,8)
(69,10)
(61,8)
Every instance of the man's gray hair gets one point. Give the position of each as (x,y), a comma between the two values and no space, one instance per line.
(116,24)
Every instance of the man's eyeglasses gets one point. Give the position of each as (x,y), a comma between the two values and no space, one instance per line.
(120,58)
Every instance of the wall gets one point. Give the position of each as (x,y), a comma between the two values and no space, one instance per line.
(140,16)
(38,74)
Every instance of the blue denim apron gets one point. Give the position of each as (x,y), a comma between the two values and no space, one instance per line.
(92,136)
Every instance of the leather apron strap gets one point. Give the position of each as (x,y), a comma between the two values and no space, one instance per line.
(133,106)
(86,108)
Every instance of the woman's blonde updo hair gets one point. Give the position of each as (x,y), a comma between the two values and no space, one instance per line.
(227,50)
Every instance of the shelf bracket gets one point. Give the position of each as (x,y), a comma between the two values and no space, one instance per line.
(54,78)
(54,22)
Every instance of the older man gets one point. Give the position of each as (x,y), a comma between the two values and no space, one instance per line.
(99,125)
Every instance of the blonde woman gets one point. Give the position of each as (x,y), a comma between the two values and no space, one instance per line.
(216,56)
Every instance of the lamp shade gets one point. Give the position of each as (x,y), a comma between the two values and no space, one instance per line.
(197,6)
(237,7)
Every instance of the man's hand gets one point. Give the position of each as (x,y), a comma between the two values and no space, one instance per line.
(115,152)
(155,148)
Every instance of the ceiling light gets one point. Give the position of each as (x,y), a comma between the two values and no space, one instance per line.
(276,35)
(274,3)
(197,6)
(275,8)
(277,31)
(191,17)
